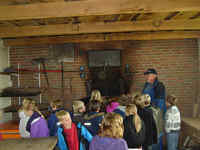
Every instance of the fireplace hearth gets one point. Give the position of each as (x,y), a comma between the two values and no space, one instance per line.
(109,81)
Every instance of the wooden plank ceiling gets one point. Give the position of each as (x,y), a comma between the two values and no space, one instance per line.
(30,21)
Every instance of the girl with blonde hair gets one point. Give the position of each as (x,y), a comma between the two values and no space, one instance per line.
(132,110)
(157,118)
(134,128)
(110,134)
(143,104)
(78,107)
(78,111)
(134,97)
(36,125)
(145,100)
(96,95)
(24,117)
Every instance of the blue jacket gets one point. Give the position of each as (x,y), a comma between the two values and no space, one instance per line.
(52,123)
(84,133)
(120,112)
(157,94)
(95,119)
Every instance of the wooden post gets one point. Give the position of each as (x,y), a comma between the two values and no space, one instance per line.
(196,107)
(18,82)
(198,98)
(39,81)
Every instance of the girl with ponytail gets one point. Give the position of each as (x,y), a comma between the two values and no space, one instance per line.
(134,128)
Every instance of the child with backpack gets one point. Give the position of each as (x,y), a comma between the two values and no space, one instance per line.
(71,136)
(94,116)
(52,120)
(158,119)
(134,128)
(146,114)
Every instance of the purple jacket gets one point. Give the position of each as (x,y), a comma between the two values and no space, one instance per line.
(106,143)
(39,128)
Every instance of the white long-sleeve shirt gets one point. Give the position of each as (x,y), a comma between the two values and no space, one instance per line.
(22,124)
(172,119)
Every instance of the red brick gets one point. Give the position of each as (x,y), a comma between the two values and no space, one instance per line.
(175,60)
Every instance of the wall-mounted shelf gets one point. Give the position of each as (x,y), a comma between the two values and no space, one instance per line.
(15,92)
(21,71)
(4,73)
(15,108)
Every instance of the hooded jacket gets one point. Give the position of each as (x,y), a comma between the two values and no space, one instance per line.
(158,118)
(146,115)
(37,126)
(106,143)
(133,139)
(95,118)
(62,144)
(52,123)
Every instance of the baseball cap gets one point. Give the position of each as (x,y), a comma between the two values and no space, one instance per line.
(150,71)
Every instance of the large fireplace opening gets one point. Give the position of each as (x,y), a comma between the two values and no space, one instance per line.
(107,81)
(105,73)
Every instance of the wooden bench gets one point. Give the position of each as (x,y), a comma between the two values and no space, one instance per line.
(190,130)
(29,144)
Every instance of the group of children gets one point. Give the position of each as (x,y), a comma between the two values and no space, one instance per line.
(103,126)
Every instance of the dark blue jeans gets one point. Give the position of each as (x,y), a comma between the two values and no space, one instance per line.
(172,140)
(158,146)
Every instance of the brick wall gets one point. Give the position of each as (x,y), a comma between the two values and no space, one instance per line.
(175,60)
(24,55)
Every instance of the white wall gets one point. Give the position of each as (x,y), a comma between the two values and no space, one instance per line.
(4,82)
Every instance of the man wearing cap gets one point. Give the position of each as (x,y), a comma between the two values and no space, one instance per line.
(156,90)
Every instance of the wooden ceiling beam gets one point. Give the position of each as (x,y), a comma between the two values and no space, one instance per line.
(94,7)
(15,1)
(160,35)
(99,27)
(20,2)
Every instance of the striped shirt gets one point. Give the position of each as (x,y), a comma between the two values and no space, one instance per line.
(172,119)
